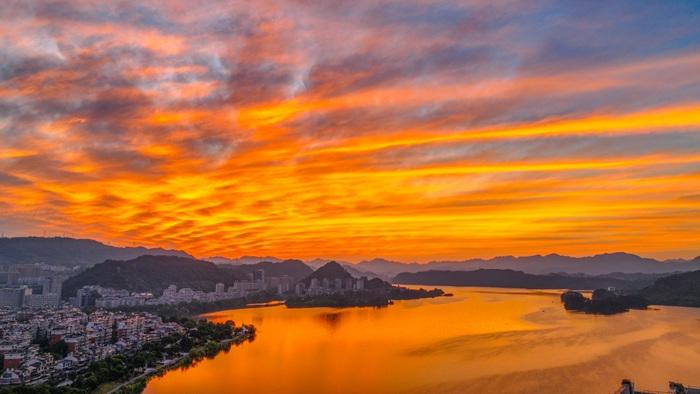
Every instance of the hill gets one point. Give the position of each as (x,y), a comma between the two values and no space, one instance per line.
(70,251)
(680,290)
(330,271)
(151,274)
(538,264)
(295,269)
(512,279)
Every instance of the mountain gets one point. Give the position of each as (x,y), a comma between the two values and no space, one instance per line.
(319,262)
(513,279)
(242,260)
(151,274)
(331,271)
(70,251)
(681,290)
(295,269)
(538,264)
(358,274)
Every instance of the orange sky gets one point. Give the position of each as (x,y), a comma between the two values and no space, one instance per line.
(413,130)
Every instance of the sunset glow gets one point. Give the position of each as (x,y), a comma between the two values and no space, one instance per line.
(416,130)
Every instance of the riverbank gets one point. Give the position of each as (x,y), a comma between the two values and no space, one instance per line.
(129,372)
(138,383)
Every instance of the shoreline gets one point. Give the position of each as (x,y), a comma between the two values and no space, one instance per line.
(178,363)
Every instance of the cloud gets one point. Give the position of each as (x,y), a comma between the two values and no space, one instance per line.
(408,129)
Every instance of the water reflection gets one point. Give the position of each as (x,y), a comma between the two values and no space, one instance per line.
(332,320)
(480,340)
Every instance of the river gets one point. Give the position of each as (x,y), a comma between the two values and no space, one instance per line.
(480,340)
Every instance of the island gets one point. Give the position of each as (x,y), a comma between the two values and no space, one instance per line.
(602,302)
(332,286)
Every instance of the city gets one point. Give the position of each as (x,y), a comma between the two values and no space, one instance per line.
(54,344)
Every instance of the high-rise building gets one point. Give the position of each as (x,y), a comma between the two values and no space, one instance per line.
(170,291)
(299,290)
(85,297)
(220,288)
(14,297)
(314,283)
(259,279)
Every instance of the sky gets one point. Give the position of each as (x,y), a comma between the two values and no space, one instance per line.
(411,129)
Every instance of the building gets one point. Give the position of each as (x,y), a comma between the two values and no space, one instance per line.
(259,278)
(42,300)
(14,297)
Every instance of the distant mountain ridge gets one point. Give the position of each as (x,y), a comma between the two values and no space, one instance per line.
(70,251)
(538,264)
(86,252)
(517,279)
(152,274)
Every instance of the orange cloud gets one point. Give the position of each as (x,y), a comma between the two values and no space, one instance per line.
(350,132)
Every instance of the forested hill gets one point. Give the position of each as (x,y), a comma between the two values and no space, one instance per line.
(70,251)
(152,273)
(330,271)
(681,290)
(296,269)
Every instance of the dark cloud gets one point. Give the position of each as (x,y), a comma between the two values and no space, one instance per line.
(11,180)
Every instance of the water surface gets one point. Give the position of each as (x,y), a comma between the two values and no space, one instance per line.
(481,340)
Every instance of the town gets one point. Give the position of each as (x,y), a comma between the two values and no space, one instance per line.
(45,339)
(108,298)
(53,344)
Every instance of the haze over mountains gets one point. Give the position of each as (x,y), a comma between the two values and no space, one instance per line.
(69,251)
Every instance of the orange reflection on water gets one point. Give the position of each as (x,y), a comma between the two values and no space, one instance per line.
(481,340)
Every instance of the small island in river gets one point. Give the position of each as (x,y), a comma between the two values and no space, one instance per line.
(602,302)
(332,286)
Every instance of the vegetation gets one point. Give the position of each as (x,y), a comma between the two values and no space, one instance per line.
(151,274)
(330,271)
(295,269)
(403,293)
(680,290)
(603,302)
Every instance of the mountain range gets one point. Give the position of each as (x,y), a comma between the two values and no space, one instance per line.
(518,279)
(599,264)
(538,264)
(85,252)
(70,251)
